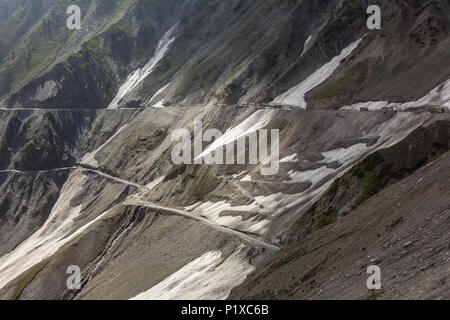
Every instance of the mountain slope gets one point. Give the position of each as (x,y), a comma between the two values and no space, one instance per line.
(402,229)
(262,53)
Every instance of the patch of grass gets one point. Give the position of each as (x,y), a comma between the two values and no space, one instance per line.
(334,188)
(99,126)
(317,241)
(352,79)
(69,243)
(163,71)
(113,218)
(206,185)
(38,50)
(44,199)
(114,155)
(228,80)
(372,184)
(367,164)
(327,220)
(40,45)
(27,279)
(375,295)
(439,156)
(291,256)
(203,75)
(375,177)
(311,273)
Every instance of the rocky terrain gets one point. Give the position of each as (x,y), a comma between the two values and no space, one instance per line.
(86,170)
(402,229)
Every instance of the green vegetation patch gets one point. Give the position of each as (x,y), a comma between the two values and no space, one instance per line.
(311,273)
(99,126)
(375,295)
(285,260)
(206,185)
(327,220)
(205,73)
(31,274)
(351,80)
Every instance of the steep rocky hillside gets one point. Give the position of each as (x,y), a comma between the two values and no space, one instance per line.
(220,51)
(403,229)
(47,65)
(412,44)
(87,176)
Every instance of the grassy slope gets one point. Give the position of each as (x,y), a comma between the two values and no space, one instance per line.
(43,35)
(401,62)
